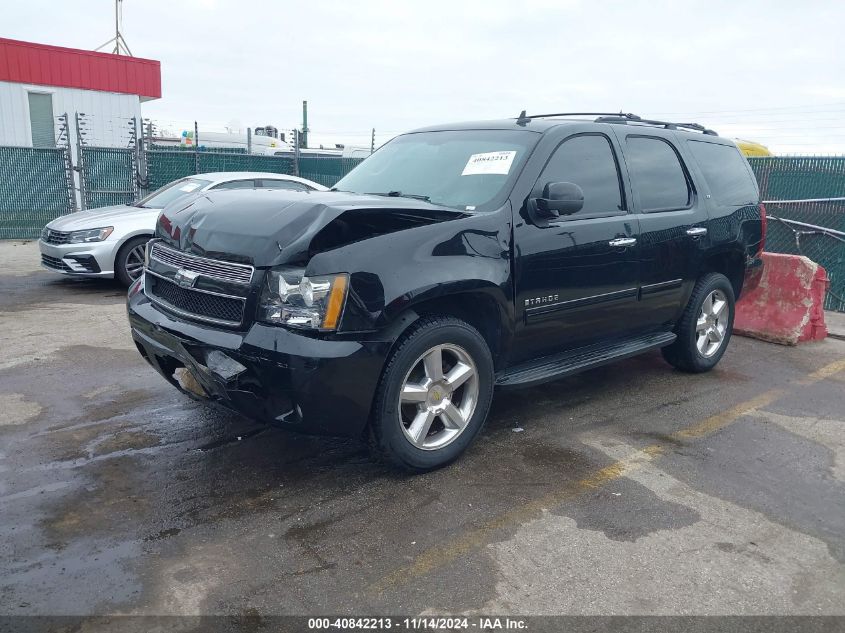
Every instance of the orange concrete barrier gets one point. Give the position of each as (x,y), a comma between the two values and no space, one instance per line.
(787,306)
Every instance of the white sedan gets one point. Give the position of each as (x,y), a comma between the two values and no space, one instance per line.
(110,241)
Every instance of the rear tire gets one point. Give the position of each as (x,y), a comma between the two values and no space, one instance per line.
(127,265)
(705,327)
(434,395)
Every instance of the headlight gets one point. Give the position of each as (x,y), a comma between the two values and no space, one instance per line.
(90,235)
(314,303)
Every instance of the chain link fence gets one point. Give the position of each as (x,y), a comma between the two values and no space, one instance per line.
(34,189)
(805,195)
(805,200)
(109,176)
(166,165)
(326,170)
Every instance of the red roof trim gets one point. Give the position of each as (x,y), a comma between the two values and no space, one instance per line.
(46,65)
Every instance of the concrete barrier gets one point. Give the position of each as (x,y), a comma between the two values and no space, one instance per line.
(787,306)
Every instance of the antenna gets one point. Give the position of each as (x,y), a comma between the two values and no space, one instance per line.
(120,45)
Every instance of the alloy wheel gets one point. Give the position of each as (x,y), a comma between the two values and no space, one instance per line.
(135,262)
(438,397)
(712,323)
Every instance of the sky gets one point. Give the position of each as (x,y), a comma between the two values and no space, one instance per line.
(772,72)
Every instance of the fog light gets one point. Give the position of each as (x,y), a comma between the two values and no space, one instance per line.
(74,265)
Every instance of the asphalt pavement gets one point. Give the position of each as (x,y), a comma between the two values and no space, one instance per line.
(629,489)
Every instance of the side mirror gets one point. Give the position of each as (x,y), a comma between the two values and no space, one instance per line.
(559,198)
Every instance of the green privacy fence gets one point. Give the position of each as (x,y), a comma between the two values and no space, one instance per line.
(807,219)
(810,229)
(108,176)
(799,178)
(34,189)
(326,170)
(164,166)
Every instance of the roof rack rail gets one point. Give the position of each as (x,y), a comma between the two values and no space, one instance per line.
(618,117)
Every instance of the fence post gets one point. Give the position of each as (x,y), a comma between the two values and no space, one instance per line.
(196,148)
(140,162)
(64,135)
(296,152)
(80,163)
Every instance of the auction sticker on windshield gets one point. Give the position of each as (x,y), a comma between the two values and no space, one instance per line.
(189,187)
(489,163)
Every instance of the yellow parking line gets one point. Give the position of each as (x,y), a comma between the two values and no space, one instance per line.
(825,372)
(474,538)
(719,421)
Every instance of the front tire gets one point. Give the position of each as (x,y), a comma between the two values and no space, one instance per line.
(434,395)
(129,263)
(705,327)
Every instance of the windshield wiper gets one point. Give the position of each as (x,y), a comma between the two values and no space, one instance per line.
(399,194)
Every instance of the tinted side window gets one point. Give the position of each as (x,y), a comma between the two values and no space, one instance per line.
(656,174)
(278,183)
(236,184)
(588,162)
(725,172)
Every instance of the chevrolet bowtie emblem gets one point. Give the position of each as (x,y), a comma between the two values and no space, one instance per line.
(185,278)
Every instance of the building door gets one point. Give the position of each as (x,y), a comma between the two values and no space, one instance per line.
(41,120)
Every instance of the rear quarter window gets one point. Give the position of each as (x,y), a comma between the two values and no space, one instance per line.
(657,176)
(726,173)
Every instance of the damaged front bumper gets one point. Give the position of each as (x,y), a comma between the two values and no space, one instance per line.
(266,373)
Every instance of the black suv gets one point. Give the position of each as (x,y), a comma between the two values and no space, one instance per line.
(456,259)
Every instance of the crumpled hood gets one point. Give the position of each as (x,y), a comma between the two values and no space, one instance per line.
(268,228)
(103,216)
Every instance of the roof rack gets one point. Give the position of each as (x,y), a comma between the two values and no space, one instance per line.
(618,117)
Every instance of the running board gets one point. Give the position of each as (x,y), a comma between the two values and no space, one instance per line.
(579,359)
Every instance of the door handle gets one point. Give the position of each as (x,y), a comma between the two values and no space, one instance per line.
(623,241)
(697,231)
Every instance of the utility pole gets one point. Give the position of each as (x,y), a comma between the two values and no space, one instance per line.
(304,140)
(373,141)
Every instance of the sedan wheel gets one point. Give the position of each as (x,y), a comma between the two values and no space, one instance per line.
(135,262)
(129,263)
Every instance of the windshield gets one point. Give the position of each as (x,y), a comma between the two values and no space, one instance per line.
(175,190)
(467,169)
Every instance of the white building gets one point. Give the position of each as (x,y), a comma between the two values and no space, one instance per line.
(39,83)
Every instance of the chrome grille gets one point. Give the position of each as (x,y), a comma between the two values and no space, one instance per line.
(193,303)
(214,268)
(54,237)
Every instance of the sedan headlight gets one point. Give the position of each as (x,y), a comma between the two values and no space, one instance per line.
(90,235)
(314,303)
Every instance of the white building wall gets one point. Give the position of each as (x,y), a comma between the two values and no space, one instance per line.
(106,121)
